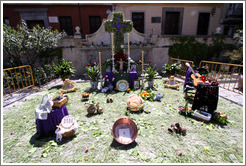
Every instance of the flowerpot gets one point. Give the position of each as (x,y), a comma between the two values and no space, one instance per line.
(151,84)
(94,85)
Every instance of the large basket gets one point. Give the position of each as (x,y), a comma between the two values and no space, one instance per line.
(68,134)
(59,101)
(128,124)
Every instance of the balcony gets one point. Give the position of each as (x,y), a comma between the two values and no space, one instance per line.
(234,13)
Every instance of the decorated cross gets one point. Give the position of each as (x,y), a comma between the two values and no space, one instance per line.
(119,27)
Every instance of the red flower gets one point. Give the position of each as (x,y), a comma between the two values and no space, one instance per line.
(149,61)
(140,61)
(88,64)
(120,55)
(102,62)
(83,43)
(94,63)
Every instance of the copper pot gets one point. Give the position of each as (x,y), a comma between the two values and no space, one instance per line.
(124,123)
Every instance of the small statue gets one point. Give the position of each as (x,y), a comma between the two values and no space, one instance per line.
(77,28)
(99,109)
(157,97)
(68,86)
(91,109)
(77,34)
(171,83)
(121,66)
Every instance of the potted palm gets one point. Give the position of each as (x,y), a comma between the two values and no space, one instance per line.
(171,69)
(64,69)
(150,73)
(94,73)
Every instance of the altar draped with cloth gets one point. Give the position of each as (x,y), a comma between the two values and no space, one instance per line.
(130,77)
(48,126)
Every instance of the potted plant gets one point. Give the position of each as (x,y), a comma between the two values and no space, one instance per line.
(108,65)
(171,69)
(64,69)
(94,73)
(150,73)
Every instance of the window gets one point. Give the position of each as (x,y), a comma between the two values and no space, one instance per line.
(203,23)
(66,24)
(155,19)
(33,23)
(6,21)
(95,23)
(138,21)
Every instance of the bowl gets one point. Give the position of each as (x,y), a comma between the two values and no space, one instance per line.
(124,131)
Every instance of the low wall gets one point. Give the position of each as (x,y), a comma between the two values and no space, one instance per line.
(80,57)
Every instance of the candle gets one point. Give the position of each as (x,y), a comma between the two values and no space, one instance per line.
(100,63)
(128,53)
(128,46)
(112,39)
(142,61)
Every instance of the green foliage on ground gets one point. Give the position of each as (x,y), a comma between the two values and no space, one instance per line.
(204,143)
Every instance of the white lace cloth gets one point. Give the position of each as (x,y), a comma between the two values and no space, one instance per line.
(41,112)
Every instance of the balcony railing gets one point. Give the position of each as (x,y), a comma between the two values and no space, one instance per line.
(235,13)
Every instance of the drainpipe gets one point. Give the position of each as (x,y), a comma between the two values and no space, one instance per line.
(80,22)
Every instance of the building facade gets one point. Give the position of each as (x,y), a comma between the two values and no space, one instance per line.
(148,18)
(183,18)
(58,16)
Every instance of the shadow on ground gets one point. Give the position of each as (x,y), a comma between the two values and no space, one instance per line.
(117,145)
(38,140)
(55,87)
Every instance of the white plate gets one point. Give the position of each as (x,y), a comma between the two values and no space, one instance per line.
(122,85)
(67,122)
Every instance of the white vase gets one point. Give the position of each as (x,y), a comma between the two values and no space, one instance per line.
(94,85)
(151,84)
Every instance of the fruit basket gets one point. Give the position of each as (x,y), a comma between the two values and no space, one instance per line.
(59,101)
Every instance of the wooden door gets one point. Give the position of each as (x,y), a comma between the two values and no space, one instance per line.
(172,23)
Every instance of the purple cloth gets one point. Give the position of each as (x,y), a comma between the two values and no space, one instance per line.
(187,77)
(48,126)
(118,26)
(109,76)
(133,75)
